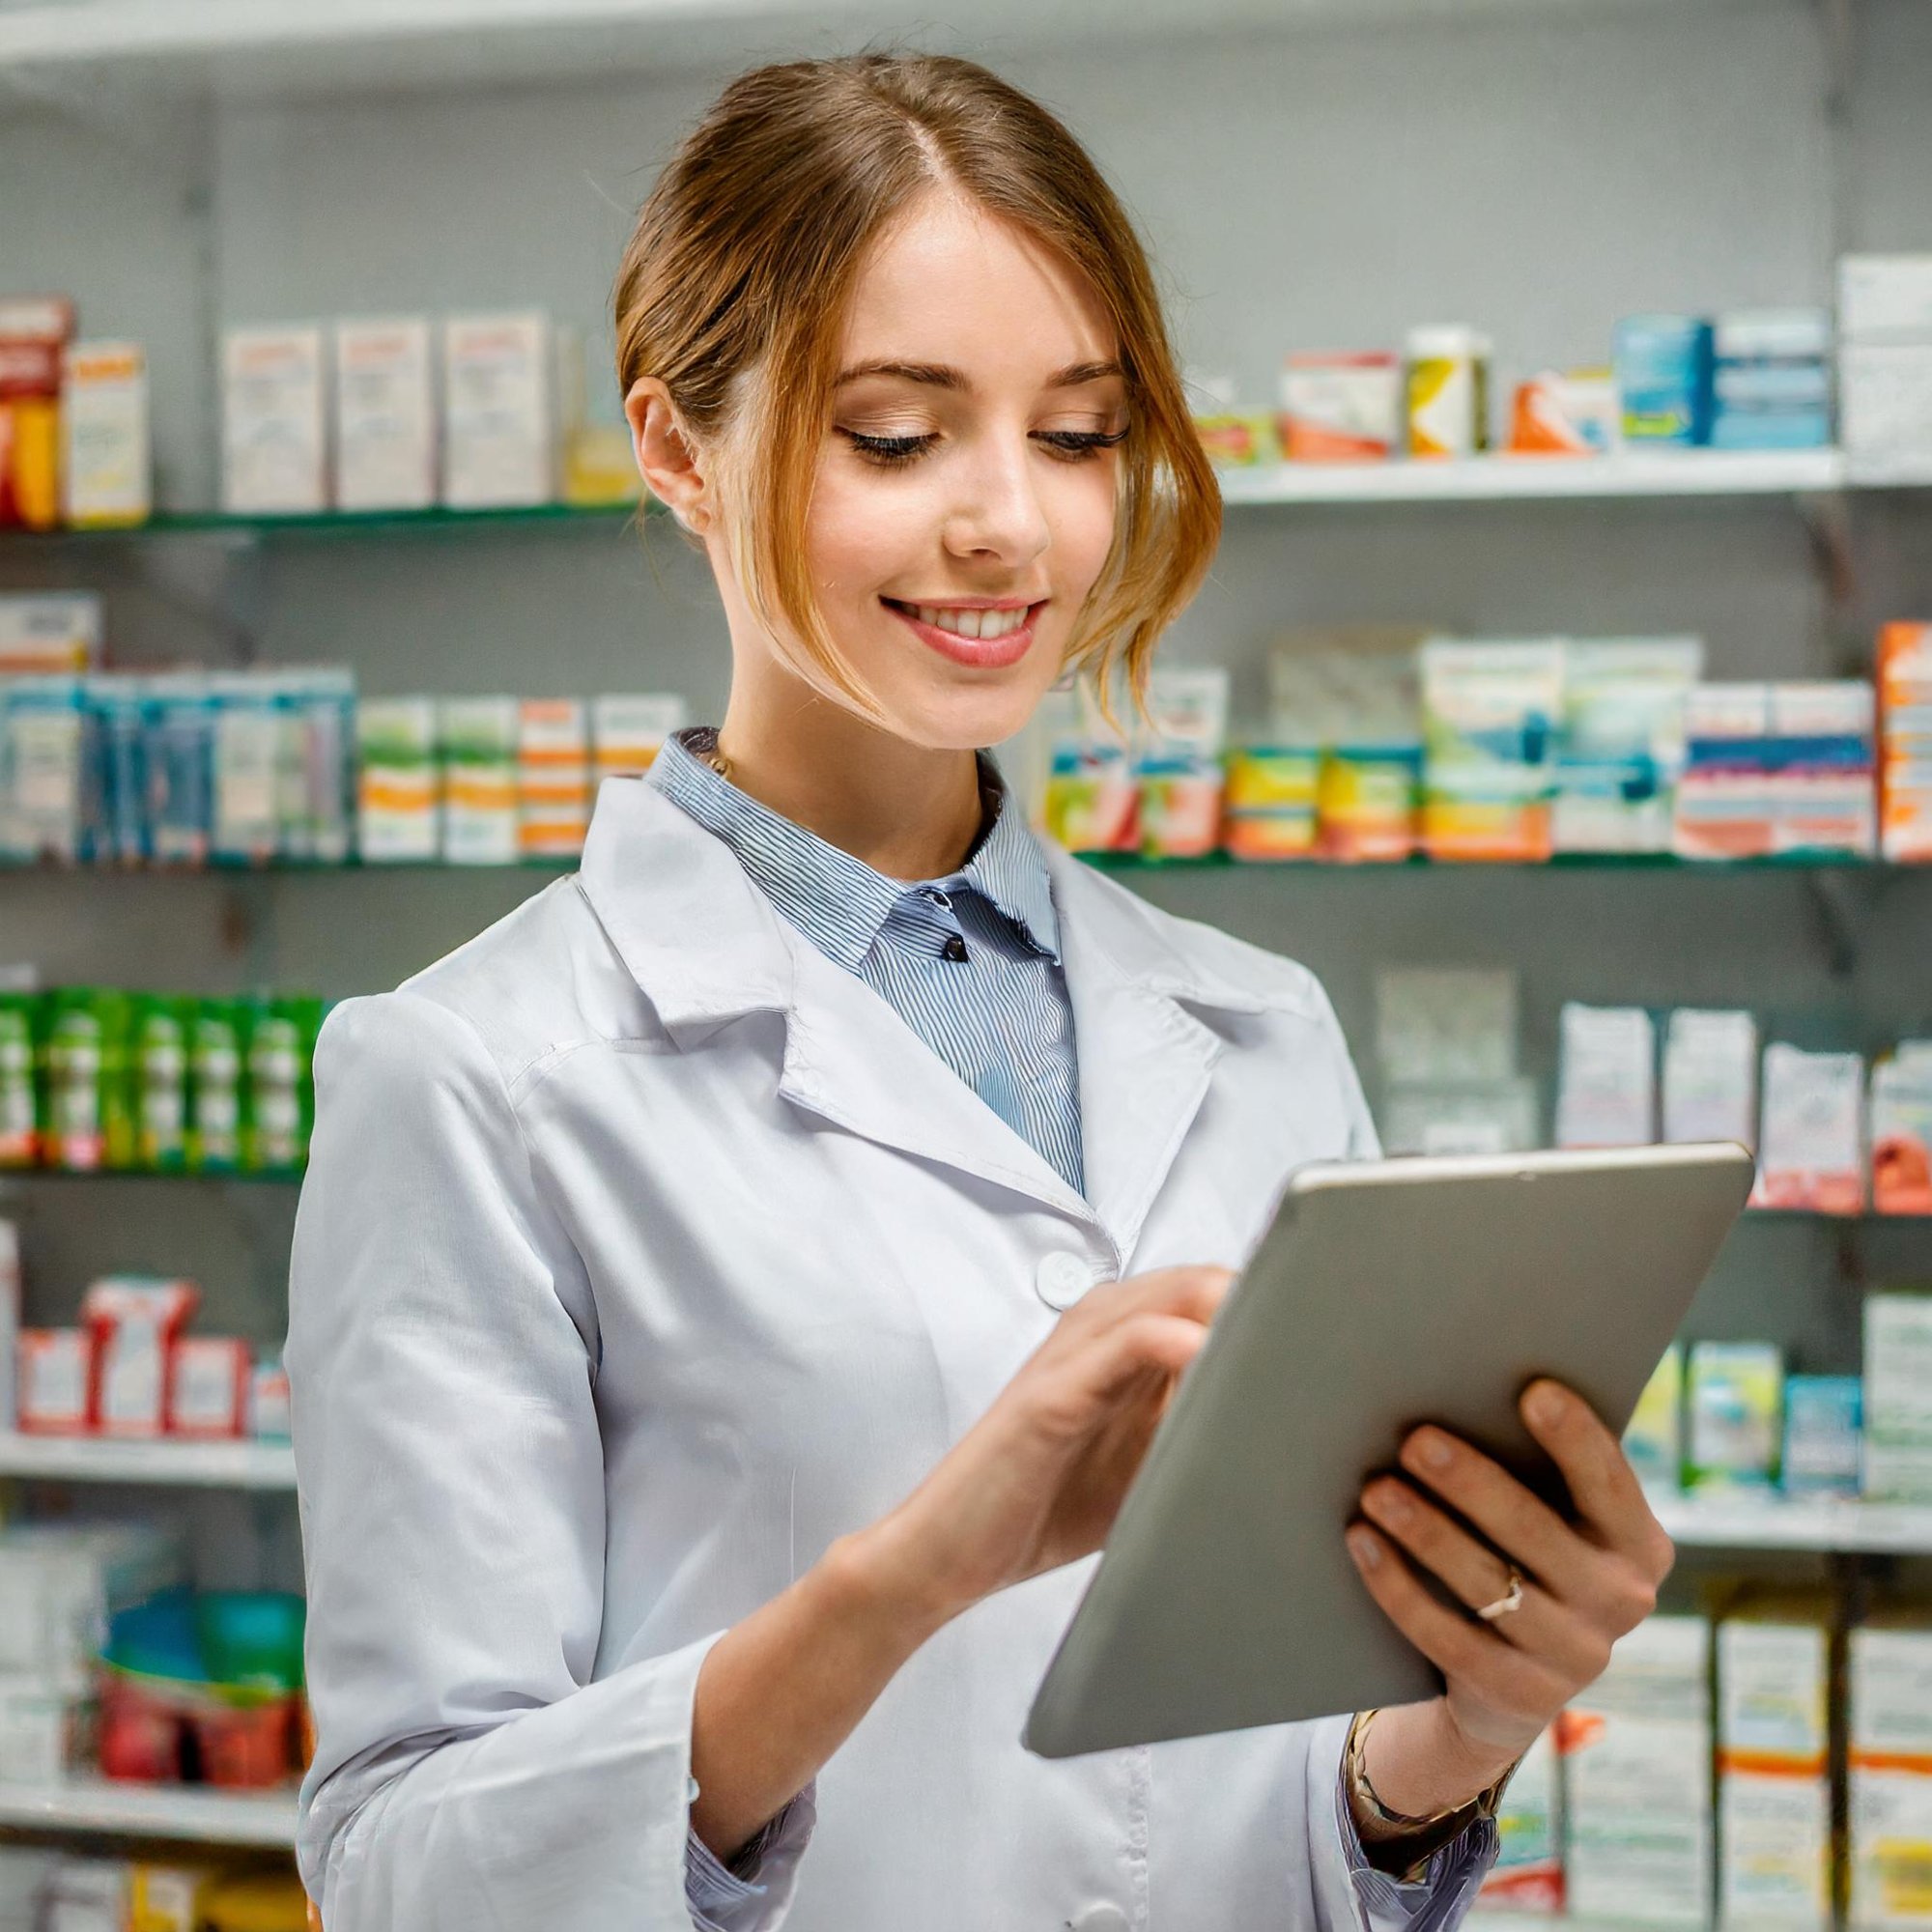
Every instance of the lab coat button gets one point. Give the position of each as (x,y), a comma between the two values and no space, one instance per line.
(1062,1279)
(1101,1918)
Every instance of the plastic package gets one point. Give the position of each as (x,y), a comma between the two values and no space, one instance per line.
(1269,807)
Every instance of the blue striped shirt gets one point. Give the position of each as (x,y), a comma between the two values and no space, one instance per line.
(971,961)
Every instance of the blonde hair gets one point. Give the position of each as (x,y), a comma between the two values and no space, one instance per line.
(736,280)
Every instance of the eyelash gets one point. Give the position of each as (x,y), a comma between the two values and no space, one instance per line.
(1070,445)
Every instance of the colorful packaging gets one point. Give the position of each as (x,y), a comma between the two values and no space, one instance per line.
(278,1115)
(1620,751)
(247,748)
(477,738)
(1341,407)
(1735,1403)
(207,1387)
(34,334)
(1904,741)
(13,1291)
(1527,1875)
(1368,804)
(628,732)
(274,435)
(1490,721)
(179,758)
(1889,1780)
(1637,1780)
(1448,391)
(1269,809)
(1725,804)
(107,470)
(1824,1436)
(1774,1798)
(1566,414)
(1812,1141)
(1178,771)
(216,1050)
(1710,1077)
(1901,1129)
(1898,1397)
(552,777)
(1664,376)
(115,786)
(599,466)
(318,789)
(1771,383)
(50,634)
(269,1418)
(134,1321)
(56,1374)
(1606,1086)
(19,1101)
(1824,760)
(399,792)
(43,768)
(1093,802)
(384,416)
(89,1121)
(163,1031)
(1236,438)
(496,411)
(1654,1441)
(164,1898)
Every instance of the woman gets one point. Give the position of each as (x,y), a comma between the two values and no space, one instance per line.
(730,1292)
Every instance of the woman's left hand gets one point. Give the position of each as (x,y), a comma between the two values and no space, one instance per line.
(1584,1582)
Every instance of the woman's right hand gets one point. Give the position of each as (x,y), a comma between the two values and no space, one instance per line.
(1035,1483)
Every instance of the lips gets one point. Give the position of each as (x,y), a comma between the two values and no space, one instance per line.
(1012,627)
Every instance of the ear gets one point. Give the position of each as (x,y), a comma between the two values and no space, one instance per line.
(666,459)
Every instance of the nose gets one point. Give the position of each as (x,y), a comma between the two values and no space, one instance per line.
(998,517)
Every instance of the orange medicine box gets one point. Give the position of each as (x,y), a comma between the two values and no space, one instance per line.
(1904,741)
(552,777)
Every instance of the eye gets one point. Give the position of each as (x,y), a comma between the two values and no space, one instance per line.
(1072,445)
(888,450)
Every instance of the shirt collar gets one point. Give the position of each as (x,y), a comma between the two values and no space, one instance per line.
(837,901)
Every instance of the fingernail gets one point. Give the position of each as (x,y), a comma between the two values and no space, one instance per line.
(1434,1450)
(1391,1501)
(1365,1548)
(1546,1404)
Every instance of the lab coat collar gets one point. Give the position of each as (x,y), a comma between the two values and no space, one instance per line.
(705,946)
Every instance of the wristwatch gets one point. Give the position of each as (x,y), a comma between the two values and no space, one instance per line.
(1415,1841)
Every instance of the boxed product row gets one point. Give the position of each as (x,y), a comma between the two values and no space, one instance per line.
(401,413)
(47,1890)
(111,1666)
(1386,744)
(92,1078)
(133,1370)
(1829,1141)
(1758,378)
(1695,1779)
(73,422)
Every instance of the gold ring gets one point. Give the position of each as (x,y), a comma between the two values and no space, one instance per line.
(1509,1603)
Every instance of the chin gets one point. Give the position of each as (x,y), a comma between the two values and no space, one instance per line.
(957,720)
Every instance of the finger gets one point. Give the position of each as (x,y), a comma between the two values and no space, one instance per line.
(1193,1293)
(1568,1643)
(1125,1354)
(1467,1653)
(1514,1520)
(1609,1498)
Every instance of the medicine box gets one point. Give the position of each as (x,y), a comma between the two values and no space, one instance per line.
(1664,377)
(1884,297)
(1901,1130)
(384,414)
(400,791)
(1345,406)
(1710,1077)
(1890,1779)
(1905,740)
(106,470)
(1621,747)
(478,745)
(273,423)
(626,733)
(498,441)
(1490,715)
(49,633)
(1898,1397)
(1654,1440)
(1527,1875)
(1606,1083)
(553,776)
(1811,1132)
(1734,1402)
(1824,1436)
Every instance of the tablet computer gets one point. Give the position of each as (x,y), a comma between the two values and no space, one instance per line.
(1384,1295)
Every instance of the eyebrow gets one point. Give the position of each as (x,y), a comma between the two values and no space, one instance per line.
(940,376)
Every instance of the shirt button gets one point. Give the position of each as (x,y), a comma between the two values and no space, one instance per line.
(1061,1280)
(954,949)
(936,898)
(1101,1918)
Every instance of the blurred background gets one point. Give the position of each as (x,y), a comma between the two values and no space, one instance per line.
(1562,696)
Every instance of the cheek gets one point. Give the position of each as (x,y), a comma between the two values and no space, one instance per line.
(1081,517)
(866,531)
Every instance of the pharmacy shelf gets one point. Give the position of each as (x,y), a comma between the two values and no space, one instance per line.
(203,1465)
(1681,472)
(1825,1523)
(273,1176)
(151,1811)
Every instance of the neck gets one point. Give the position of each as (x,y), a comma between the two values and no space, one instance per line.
(905,811)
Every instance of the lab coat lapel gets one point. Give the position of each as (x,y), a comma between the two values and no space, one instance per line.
(1146,1061)
(706,947)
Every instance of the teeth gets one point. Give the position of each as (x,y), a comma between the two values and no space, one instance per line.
(970,623)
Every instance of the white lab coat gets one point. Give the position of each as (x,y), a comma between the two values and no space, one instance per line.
(643,1251)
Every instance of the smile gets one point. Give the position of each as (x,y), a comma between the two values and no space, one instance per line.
(988,639)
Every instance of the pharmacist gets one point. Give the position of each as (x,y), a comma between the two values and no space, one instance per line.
(732,1293)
